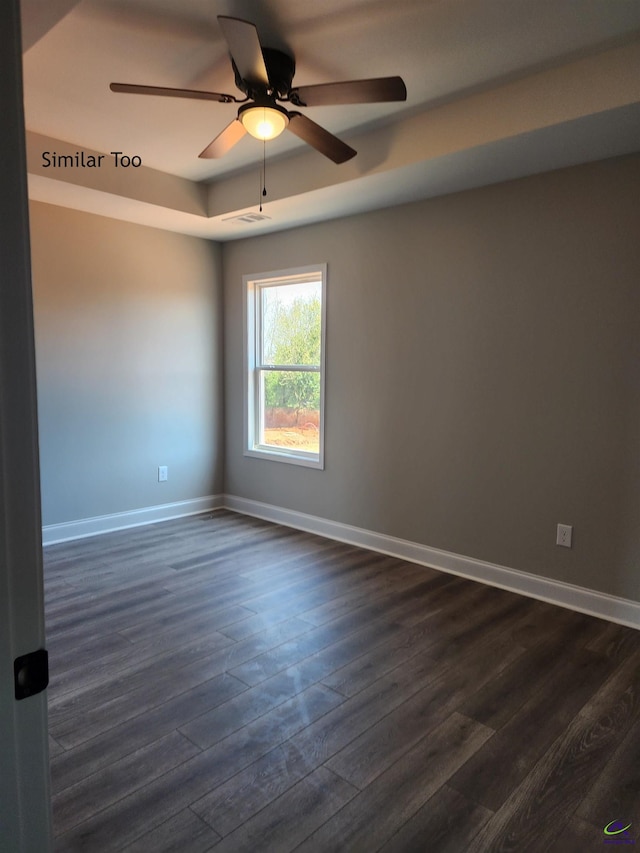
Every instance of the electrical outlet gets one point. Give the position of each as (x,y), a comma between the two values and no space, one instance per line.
(163,473)
(563,536)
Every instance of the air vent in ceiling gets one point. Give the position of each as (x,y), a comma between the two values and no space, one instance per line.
(247,217)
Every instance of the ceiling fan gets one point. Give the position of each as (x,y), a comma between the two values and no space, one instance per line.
(265,76)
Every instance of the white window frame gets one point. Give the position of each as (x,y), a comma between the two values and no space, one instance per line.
(253,286)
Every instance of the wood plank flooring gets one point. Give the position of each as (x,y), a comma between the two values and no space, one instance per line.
(222,683)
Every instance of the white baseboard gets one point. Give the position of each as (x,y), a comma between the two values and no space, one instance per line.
(620,610)
(54,533)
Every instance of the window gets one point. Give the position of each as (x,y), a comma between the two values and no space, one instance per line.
(285,320)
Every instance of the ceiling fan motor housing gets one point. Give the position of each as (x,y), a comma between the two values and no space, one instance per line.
(280,70)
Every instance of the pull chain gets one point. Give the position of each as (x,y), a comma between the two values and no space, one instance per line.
(264,171)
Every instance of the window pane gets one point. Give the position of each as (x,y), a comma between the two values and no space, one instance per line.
(291,323)
(290,410)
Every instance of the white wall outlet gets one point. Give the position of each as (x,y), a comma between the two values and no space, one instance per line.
(163,473)
(563,536)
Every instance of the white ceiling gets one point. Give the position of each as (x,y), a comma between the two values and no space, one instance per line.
(496,89)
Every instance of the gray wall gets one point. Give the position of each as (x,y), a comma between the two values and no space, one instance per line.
(482,373)
(129,342)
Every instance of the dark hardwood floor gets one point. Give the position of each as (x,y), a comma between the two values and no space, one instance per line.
(221,683)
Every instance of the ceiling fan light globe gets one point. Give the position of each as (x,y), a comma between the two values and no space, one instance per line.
(264,122)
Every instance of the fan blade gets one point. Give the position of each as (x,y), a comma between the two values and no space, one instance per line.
(371,91)
(224,141)
(244,47)
(320,139)
(133,89)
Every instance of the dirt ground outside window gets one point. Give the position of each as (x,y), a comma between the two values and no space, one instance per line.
(297,438)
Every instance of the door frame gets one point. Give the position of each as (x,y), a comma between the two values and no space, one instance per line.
(25,797)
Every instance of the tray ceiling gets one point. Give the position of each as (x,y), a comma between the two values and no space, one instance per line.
(496,89)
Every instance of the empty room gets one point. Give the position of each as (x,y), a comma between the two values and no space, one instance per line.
(320,425)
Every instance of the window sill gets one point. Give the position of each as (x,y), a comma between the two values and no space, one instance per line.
(306,460)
